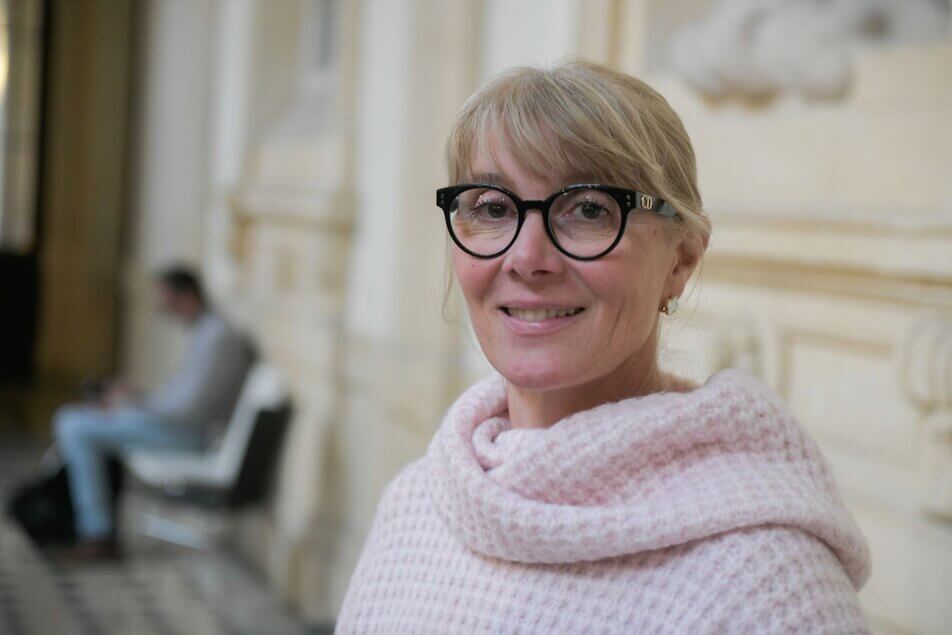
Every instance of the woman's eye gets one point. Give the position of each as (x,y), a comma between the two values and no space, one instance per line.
(591,211)
(495,210)
(492,208)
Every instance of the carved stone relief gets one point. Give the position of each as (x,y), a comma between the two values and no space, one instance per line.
(758,49)
(739,346)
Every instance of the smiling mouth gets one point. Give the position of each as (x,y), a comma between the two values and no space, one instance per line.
(538,315)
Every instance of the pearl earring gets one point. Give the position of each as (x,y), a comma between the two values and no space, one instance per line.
(670,306)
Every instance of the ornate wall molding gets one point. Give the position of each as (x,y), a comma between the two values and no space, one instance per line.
(925,374)
(291,212)
(926,363)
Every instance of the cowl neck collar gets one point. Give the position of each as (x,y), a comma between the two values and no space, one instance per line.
(636,475)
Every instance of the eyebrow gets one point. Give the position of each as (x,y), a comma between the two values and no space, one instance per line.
(496,178)
(574,179)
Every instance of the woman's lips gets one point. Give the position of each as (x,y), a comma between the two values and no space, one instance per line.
(538,321)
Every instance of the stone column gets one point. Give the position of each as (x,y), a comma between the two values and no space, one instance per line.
(170,180)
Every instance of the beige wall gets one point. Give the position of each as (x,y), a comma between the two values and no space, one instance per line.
(830,275)
(306,195)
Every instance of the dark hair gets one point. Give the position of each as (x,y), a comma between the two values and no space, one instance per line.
(181,279)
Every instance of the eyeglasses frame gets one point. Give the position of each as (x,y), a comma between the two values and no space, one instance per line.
(627,200)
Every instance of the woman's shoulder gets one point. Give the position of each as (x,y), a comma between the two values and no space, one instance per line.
(777,578)
(778,547)
(401,507)
(405,491)
(409,478)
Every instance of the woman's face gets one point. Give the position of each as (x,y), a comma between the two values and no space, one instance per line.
(613,301)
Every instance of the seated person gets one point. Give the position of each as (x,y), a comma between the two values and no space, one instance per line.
(176,416)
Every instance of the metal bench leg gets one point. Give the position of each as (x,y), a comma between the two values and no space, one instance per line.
(174,531)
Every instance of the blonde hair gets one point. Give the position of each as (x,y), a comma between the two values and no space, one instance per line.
(580,119)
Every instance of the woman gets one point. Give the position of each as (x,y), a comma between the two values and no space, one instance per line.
(582,489)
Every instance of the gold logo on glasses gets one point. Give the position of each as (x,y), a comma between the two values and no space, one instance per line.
(646,201)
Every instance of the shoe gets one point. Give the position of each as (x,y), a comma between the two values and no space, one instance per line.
(88,551)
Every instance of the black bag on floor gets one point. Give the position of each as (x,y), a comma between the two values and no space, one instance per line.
(43,508)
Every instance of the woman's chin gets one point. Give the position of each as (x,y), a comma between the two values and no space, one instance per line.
(535,372)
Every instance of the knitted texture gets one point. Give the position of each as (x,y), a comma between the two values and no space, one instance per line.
(701,512)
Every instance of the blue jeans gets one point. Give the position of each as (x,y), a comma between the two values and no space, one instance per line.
(87,435)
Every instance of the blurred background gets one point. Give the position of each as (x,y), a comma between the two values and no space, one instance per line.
(289,150)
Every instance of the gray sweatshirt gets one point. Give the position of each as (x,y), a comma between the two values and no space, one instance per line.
(203,392)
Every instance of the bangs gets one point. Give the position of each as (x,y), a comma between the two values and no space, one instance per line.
(536,146)
(549,134)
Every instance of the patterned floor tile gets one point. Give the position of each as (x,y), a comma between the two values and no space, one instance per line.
(154,590)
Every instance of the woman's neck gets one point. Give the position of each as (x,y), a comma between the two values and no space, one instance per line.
(541,408)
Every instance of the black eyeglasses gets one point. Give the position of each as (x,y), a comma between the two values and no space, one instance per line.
(584,222)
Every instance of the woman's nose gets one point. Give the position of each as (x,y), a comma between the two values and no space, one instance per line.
(533,254)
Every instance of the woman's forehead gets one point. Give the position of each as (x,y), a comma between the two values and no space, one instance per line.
(494,162)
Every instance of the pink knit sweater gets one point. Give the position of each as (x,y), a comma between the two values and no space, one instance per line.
(710,511)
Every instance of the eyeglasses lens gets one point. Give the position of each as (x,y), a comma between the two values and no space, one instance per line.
(583,222)
(484,220)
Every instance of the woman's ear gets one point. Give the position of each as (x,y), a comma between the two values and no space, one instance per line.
(688,255)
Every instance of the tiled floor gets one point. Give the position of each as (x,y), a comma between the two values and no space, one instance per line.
(156,589)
